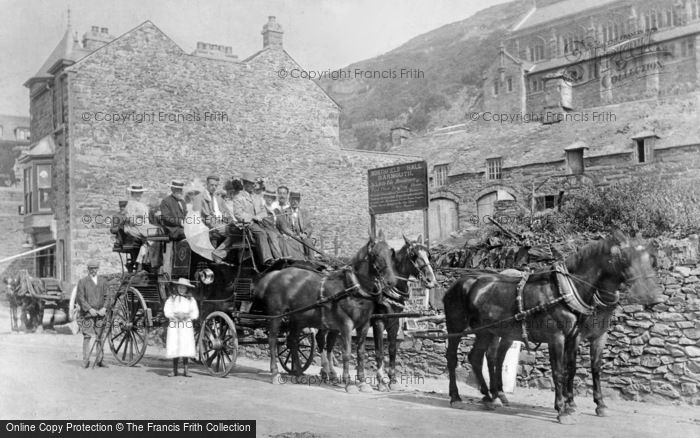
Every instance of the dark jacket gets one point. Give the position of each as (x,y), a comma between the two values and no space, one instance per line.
(92,296)
(172,216)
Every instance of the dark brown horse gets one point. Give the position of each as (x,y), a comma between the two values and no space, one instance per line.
(488,304)
(413,259)
(348,298)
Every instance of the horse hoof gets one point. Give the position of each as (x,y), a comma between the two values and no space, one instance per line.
(365,387)
(601,412)
(497,403)
(503,399)
(351,389)
(382,388)
(488,403)
(275,379)
(567,419)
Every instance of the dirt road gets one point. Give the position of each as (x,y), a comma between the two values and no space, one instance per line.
(41,378)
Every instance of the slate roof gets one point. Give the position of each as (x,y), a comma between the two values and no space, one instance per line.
(466,148)
(560,10)
(67,49)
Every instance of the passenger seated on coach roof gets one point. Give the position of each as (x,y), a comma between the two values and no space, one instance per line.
(138,224)
(173,211)
(247,213)
(211,208)
(117,225)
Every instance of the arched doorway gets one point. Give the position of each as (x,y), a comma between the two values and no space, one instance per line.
(485,204)
(443,219)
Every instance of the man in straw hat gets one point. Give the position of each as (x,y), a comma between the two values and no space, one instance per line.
(137,223)
(173,211)
(92,295)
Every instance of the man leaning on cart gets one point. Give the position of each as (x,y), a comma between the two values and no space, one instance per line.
(92,297)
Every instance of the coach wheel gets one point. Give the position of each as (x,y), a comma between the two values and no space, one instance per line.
(128,329)
(218,344)
(307,346)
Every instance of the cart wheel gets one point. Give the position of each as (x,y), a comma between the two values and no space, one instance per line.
(128,330)
(307,347)
(218,344)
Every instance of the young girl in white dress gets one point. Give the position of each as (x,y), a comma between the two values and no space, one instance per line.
(180,309)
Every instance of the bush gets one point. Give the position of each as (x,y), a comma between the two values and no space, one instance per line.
(647,206)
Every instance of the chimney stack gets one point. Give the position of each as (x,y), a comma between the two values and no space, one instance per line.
(96,38)
(272,33)
(215,51)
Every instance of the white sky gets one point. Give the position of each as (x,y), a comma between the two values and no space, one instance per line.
(319,34)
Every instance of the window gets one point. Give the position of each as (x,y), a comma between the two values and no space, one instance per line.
(440,175)
(46,263)
(687,47)
(43,183)
(21,134)
(0,131)
(574,161)
(669,18)
(545,202)
(593,72)
(537,52)
(494,168)
(509,81)
(647,21)
(28,190)
(695,9)
(645,150)
(495,87)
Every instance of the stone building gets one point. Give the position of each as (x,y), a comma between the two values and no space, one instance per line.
(14,138)
(561,111)
(107,112)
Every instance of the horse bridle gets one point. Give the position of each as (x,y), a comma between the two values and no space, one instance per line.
(379,282)
(411,252)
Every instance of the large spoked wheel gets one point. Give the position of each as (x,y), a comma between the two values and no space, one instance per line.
(307,346)
(218,344)
(128,330)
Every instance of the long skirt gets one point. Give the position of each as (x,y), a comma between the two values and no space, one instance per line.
(180,340)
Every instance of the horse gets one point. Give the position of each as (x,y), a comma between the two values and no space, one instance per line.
(338,301)
(488,306)
(413,259)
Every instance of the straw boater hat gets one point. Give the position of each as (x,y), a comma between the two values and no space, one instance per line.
(183,282)
(93,264)
(248,176)
(136,188)
(270,194)
(294,195)
(177,184)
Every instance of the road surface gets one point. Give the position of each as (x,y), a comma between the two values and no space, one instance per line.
(41,378)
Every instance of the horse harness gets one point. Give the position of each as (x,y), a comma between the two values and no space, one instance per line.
(567,293)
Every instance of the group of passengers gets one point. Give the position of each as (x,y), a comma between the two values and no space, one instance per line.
(273,220)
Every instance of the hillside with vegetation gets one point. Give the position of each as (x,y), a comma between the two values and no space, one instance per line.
(452,60)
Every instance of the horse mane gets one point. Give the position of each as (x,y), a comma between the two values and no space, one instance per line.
(590,251)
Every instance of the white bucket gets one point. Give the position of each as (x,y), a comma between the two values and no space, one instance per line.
(510,368)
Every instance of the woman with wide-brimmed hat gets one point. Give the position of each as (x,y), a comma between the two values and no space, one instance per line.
(181,310)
